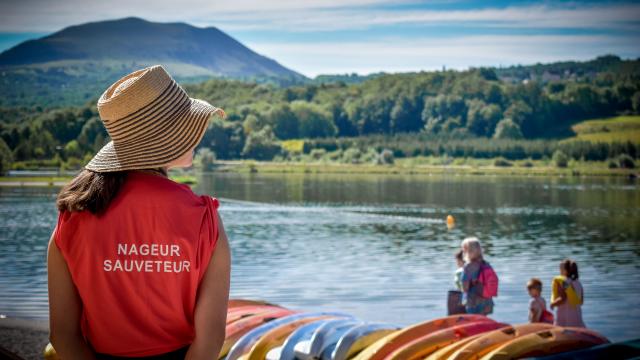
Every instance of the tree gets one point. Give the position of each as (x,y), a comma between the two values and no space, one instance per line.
(437,110)
(560,159)
(206,158)
(507,129)
(482,118)
(519,112)
(314,121)
(404,116)
(284,122)
(225,138)
(261,145)
(6,158)
(72,149)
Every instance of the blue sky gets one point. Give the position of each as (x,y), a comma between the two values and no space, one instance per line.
(363,36)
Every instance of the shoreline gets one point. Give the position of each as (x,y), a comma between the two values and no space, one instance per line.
(271,167)
(25,338)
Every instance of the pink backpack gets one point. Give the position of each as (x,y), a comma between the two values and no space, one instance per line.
(489,280)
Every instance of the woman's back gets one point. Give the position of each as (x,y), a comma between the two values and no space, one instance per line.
(138,266)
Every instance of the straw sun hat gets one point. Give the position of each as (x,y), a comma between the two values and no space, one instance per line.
(151,121)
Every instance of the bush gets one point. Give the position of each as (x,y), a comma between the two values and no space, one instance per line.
(206,158)
(317,154)
(352,156)
(502,162)
(261,145)
(386,157)
(560,159)
(626,162)
(527,164)
(612,164)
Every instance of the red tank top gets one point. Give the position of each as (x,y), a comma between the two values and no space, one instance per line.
(137,267)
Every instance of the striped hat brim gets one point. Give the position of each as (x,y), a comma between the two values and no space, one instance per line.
(186,130)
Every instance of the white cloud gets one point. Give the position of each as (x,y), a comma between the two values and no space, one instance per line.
(307,15)
(400,55)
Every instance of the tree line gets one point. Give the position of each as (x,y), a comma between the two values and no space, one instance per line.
(477,107)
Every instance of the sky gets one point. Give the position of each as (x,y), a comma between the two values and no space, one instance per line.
(364,36)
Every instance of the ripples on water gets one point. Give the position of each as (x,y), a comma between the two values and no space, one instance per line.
(377,246)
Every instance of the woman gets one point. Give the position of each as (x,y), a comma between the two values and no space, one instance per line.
(567,295)
(472,287)
(138,264)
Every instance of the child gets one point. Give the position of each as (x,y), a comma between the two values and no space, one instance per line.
(455,297)
(567,295)
(537,306)
(458,274)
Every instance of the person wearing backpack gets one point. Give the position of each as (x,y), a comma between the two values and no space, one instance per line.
(479,280)
(537,305)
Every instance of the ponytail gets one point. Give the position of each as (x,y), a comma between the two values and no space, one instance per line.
(573,274)
(571,267)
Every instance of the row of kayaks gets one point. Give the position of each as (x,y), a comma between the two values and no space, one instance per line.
(258,330)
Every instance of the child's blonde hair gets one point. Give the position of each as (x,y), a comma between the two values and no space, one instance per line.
(472,249)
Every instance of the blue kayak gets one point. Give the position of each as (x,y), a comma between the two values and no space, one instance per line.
(244,344)
(326,337)
(349,338)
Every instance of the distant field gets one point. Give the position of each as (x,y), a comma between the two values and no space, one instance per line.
(621,128)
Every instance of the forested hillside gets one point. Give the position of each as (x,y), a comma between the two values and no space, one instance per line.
(470,107)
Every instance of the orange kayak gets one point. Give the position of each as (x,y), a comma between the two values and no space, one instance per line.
(445,352)
(547,342)
(240,312)
(491,340)
(236,329)
(245,302)
(390,343)
(428,344)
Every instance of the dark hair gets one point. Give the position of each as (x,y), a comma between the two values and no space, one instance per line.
(571,267)
(535,283)
(459,255)
(93,191)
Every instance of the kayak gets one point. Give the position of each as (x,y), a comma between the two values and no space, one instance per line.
(276,336)
(388,344)
(245,302)
(622,350)
(237,329)
(325,338)
(445,352)
(240,312)
(303,333)
(428,344)
(547,342)
(489,341)
(246,342)
(359,337)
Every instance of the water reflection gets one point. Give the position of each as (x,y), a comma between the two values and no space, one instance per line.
(378,246)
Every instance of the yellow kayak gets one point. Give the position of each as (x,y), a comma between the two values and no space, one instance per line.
(485,343)
(546,342)
(276,337)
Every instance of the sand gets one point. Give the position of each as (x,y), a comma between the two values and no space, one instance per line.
(25,338)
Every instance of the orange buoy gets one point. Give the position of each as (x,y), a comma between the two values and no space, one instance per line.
(451,221)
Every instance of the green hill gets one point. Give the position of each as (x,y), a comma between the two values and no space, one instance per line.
(74,64)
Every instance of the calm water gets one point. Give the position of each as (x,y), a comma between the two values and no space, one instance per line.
(378,247)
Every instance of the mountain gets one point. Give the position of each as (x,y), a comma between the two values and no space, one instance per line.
(88,57)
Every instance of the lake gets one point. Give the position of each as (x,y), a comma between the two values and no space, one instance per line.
(378,246)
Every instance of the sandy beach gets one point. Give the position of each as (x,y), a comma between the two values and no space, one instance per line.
(23,337)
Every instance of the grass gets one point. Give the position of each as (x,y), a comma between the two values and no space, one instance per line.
(55,180)
(616,129)
(432,166)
